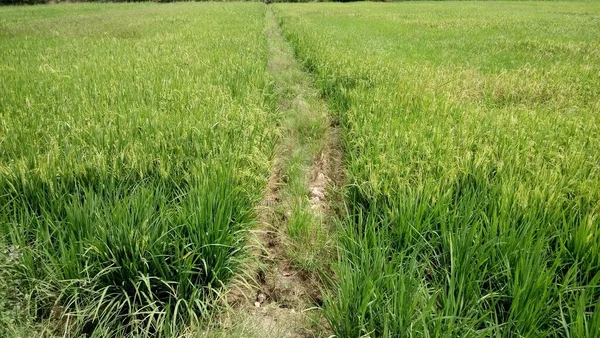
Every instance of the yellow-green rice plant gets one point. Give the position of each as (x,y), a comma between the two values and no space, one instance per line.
(135,141)
(471,135)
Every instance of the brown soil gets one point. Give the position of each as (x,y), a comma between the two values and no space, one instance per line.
(279,299)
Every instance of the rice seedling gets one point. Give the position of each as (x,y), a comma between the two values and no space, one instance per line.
(471,137)
(135,140)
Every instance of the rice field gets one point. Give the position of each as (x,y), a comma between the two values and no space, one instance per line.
(471,140)
(137,141)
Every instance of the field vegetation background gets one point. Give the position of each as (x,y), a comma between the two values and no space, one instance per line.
(471,137)
(34,2)
(135,142)
(139,141)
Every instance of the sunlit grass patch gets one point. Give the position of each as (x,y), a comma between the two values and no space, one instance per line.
(134,144)
(470,133)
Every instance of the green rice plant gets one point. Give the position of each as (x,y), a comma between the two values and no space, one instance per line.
(470,133)
(135,141)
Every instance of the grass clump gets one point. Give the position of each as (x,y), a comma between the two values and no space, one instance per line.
(134,144)
(470,135)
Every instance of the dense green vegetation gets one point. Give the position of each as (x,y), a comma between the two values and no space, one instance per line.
(135,141)
(471,138)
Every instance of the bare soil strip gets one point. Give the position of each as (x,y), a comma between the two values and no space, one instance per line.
(293,241)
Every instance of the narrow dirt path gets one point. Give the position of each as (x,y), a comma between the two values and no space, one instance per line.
(294,241)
